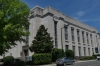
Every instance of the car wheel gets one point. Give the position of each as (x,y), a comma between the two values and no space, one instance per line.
(73,63)
(64,64)
(57,65)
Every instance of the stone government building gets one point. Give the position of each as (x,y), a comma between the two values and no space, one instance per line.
(67,33)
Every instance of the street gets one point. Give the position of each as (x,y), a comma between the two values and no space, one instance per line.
(90,63)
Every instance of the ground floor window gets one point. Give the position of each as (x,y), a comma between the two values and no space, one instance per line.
(73,47)
(79,48)
(92,50)
(66,47)
(89,51)
(84,51)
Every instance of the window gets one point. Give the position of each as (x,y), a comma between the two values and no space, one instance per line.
(73,47)
(89,51)
(72,32)
(26,52)
(79,48)
(92,50)
(55,30)
(10,54)
(78,36)
(91,39)
(66,33)
(97,41)
(83,37)
(87,38)
(84,51)
(27,39)
(66,47)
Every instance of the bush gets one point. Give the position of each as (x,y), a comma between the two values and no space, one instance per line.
(94,56)
(7,60)
(86,58)
(56,53)
(42,58)
(69,53)
(29,63)
(19,63)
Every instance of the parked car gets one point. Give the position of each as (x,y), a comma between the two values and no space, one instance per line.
(98,56)
(1,62)
(64,61)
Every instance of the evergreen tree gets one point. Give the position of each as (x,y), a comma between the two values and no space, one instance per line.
(42,43)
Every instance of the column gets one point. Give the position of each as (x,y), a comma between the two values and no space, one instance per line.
(90,44)
(69,37)
(86,45)
(81,41)
(76,43)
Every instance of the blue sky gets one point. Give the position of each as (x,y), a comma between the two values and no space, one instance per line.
(87,11)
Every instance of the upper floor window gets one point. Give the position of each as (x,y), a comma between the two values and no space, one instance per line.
(78,36)
(91,39)
(83,37)
(72,32)
(27,39)
(87,38)
(55,30)
(66,33)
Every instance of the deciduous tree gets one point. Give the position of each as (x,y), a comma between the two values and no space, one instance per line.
(13,23)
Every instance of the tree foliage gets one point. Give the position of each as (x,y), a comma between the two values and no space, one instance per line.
(13,23)
(56,53)
(42,43)
(69,53)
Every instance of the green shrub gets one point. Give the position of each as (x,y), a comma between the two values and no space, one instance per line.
(86,58)
(42,58)
(29,63)
(7,60)
(19,63)
(56,53)
(94,56)
(69,53)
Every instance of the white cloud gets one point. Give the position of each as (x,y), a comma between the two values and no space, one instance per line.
(88,20)
(80,13)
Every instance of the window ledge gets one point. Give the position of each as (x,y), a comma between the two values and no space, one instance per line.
(73,42)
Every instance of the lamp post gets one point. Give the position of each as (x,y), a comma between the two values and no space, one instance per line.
(62,40)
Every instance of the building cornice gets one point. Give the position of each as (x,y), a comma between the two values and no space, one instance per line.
(52,12)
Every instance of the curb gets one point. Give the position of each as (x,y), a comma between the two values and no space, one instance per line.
(84,61)
(55,64)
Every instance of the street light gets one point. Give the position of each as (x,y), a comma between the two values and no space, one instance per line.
(61,38)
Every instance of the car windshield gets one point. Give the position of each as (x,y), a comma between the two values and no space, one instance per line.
(64,58)
(98,55)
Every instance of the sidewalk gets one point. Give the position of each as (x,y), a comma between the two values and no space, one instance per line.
(84,61)
(53,64)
